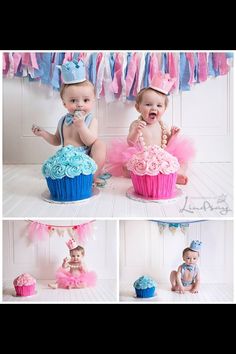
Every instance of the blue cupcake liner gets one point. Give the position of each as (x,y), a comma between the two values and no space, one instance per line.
(69,189)
(149,292)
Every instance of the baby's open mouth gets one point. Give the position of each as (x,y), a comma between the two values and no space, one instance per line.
(152,115)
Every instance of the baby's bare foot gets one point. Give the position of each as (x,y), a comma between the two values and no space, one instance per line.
(53,286)
(181,179)
(98,182)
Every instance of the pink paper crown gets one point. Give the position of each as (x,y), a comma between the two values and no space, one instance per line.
(162,83)
(71,244)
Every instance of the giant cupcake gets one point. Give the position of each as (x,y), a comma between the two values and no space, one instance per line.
(69,174)
(154,172)
(24,285)
(145,287)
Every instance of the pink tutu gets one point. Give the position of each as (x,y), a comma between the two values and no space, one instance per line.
(66,280)
(119,153)
(182,148)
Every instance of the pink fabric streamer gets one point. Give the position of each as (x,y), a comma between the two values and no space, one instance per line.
(190,58)
(6,63)
(26,59)
(83,232)
(173,70)
(98,62)
(37,231)
(154,67)
(33,59)
(202,66)
(17,59)
(116,82)
(68,57)
(220,63)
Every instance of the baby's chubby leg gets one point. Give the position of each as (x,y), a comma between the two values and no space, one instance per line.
(173,280)
(98,154)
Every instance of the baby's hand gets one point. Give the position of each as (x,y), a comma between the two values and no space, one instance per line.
(174,131)
(194,290)
(140,124)
(65,262)
(78,122)
(80,114)
(181,290)
(37,130)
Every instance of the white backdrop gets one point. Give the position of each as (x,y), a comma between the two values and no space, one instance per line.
(204,113)
(42,259)
(143,250)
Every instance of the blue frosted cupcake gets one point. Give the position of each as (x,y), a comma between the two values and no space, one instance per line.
(69,174)
(145,287)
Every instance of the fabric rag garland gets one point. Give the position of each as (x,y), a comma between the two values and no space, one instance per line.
(80,233)
(120,76)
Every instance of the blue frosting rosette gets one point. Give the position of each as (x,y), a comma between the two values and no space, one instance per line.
(70,162)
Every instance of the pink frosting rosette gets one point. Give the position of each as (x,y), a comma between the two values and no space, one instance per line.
(24,279)
(140,166)
(152,161)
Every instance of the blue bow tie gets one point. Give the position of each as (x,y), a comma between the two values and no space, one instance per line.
(188,267)
(69,119)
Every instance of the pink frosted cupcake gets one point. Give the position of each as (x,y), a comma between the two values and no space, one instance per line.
(24,285)
(154,172)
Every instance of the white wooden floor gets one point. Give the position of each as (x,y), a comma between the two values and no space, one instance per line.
(104,292)
(209,293)
(208,194)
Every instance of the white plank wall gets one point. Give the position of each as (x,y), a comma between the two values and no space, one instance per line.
(204,113)
(143,250)
(42,259)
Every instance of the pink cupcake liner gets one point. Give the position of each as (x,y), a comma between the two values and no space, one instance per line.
(159,187)
(25,290)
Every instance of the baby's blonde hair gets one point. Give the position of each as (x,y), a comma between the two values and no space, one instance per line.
(83,83)
(145,89)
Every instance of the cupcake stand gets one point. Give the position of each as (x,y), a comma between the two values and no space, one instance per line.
(131,194)
(24,297)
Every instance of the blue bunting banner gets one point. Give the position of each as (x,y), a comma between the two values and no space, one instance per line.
(173,226)
(120,75)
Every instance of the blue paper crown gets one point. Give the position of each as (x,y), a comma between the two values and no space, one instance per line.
(195,245)
(73,72)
